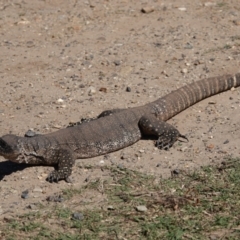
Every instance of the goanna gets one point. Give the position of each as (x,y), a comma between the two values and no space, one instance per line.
(111,130)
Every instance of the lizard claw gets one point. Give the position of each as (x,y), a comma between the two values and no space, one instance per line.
(53,177)
(184,137)
(166,141)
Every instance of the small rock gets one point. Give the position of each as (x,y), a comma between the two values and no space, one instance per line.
(158,165)
(31,206)
(188,46)
(210,146)
(236,22)
(196,62)
(164,73)
(91,90)
(182,9)
(87,179)
(128,89)
(103,89)
(9,219)
(176,171)
(25,194)
(37,189)
(60,100)
(212,102)
(110,207)
(141,208)
(225,142)
(141,151)
(77,216)
(30,133)
(55,198)
(117,62)
(184,70)
(23,22)
(183,149)
(147,9)
(209,4)
(120,166)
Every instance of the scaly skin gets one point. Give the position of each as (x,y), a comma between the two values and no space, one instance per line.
(111,130)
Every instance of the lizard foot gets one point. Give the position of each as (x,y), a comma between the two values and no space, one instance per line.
(166,141)
(166,134)
(55,176)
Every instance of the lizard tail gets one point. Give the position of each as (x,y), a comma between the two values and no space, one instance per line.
(182,98)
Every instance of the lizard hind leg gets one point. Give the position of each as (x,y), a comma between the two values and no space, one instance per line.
(63,170)
(167,134)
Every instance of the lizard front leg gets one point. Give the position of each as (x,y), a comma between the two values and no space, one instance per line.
(167,134)
(65,162)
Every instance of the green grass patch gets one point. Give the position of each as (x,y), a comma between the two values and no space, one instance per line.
(194,205)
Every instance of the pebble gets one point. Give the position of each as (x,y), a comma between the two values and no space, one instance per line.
(196,62)
(210,146)
(77,216)
(209,4)
(184,70)
(91,90)
(128,89)
(188,46)
(103,89)
(25,194)
(37,189)
(117,62)
(30,133)
(120,166)
(176,171)
(182,9)
(110,207)
(60,100)
(55,198)
(23,22)
(225,142)
(236,22)
(31,206)
(147,9)
(183,149)
(141,208)
(212,102)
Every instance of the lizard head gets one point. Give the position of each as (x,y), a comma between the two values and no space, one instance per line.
(8,146)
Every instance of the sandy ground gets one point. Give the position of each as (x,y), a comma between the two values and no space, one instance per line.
(70,50)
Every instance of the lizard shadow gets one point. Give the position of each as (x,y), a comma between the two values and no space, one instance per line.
(8,167)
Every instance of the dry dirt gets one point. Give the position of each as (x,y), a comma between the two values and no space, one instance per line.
(58,49)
